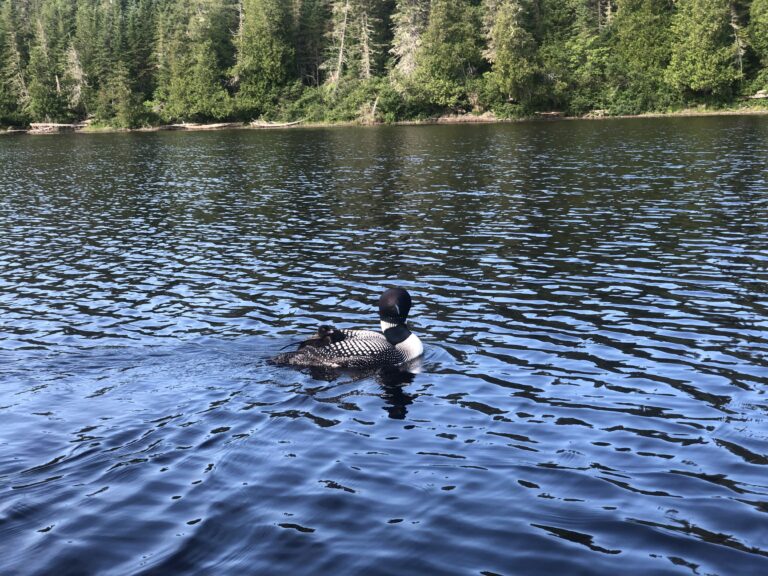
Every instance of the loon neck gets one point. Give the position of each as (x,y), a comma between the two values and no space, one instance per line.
(387,325)
(395,333)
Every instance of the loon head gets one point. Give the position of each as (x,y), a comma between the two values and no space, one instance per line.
(394,306)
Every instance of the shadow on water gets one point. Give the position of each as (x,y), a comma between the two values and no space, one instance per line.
(593,297)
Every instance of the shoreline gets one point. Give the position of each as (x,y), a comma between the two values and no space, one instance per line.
(485,118)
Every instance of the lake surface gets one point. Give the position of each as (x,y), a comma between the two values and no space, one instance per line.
(593,299)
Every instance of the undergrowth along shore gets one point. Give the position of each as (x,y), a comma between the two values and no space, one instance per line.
(747,109)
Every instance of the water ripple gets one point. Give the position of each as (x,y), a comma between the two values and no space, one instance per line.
(593,298)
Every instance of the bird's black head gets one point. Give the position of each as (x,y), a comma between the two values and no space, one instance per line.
(394,306)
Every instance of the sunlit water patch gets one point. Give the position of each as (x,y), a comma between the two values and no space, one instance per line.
(593,297)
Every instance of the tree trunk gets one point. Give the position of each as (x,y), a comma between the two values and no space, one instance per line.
(737,37)
(340,60)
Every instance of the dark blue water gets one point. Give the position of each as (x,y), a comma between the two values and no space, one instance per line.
(593,298)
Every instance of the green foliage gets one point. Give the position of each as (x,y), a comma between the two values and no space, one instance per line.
(353,100)
(14,96)
(450,55)
(511,49)
(309,41)
(117,104)
(703,52)
(8,96)
(355,39)
(588,74)
(564,37)
(46,101)
(264,55)
(758,29)
(303,103)
(191,80)
(640,46)
(128,63)
(410,18)
(195,91)
(140,25)
(48,95)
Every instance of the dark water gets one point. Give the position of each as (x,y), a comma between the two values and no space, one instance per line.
(593,297)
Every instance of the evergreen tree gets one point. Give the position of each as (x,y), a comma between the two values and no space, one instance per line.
(410,19)
(7,97)
(192,42)
(13,85)
(264,54)
(12,88)
(48,91)
(310,40)
(640,47)
(196,91)
(171,25)
(563,32)
(450,54)
(357,38)
(704,53)
(140,25)
(117,104)
(45,102)
(758,36)
(75,81)
(511,48)
(90,52)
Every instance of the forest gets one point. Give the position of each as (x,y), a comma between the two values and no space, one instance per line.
(132,63)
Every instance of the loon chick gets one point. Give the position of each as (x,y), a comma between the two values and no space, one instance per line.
(332,348)
(326,335)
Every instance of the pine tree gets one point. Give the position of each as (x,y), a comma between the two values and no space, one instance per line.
(356,39)
(511,48)
(758,36)
(265,57)
(7,99)
(310,40)
(12,77)
(172,20)
(196,91)
(410,20)
(704,54)
(640,48)
(46,102)
(119,60)
(117,104)
(90,53)
(192,41)
(47,86)
(12,87)
(450,54)
(140,25)
(75,80)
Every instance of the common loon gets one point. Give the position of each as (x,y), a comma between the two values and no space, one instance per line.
(334,348)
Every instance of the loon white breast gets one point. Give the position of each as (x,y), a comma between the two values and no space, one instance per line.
(333,348)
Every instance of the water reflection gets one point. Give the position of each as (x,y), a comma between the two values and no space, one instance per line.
(393,381)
